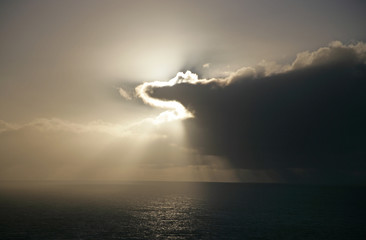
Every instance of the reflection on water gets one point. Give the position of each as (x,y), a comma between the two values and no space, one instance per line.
(171,217)
(182,211)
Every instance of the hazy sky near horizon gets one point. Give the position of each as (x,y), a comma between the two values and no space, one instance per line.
(69,69)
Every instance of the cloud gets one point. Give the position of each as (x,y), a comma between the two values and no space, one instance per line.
(5,126)
(309,114)
(124,94)
(304,120)
(97,126)
(176,110)
(54,149)
(336,53)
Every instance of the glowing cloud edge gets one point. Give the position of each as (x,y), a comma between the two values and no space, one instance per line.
(176,110)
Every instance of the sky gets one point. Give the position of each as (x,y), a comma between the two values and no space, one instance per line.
(251,91)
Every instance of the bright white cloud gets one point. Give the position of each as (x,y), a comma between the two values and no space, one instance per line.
(175,110)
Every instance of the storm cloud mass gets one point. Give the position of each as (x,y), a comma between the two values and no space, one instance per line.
(307,118)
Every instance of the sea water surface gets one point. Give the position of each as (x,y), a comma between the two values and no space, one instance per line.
(181,211)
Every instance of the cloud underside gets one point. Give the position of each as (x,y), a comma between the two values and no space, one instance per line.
(310,114)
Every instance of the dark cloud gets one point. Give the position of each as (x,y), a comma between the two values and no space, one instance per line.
(308,120)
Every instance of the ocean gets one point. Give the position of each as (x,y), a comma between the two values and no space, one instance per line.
(162,210)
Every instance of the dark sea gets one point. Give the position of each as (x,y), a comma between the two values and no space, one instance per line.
(56,211)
